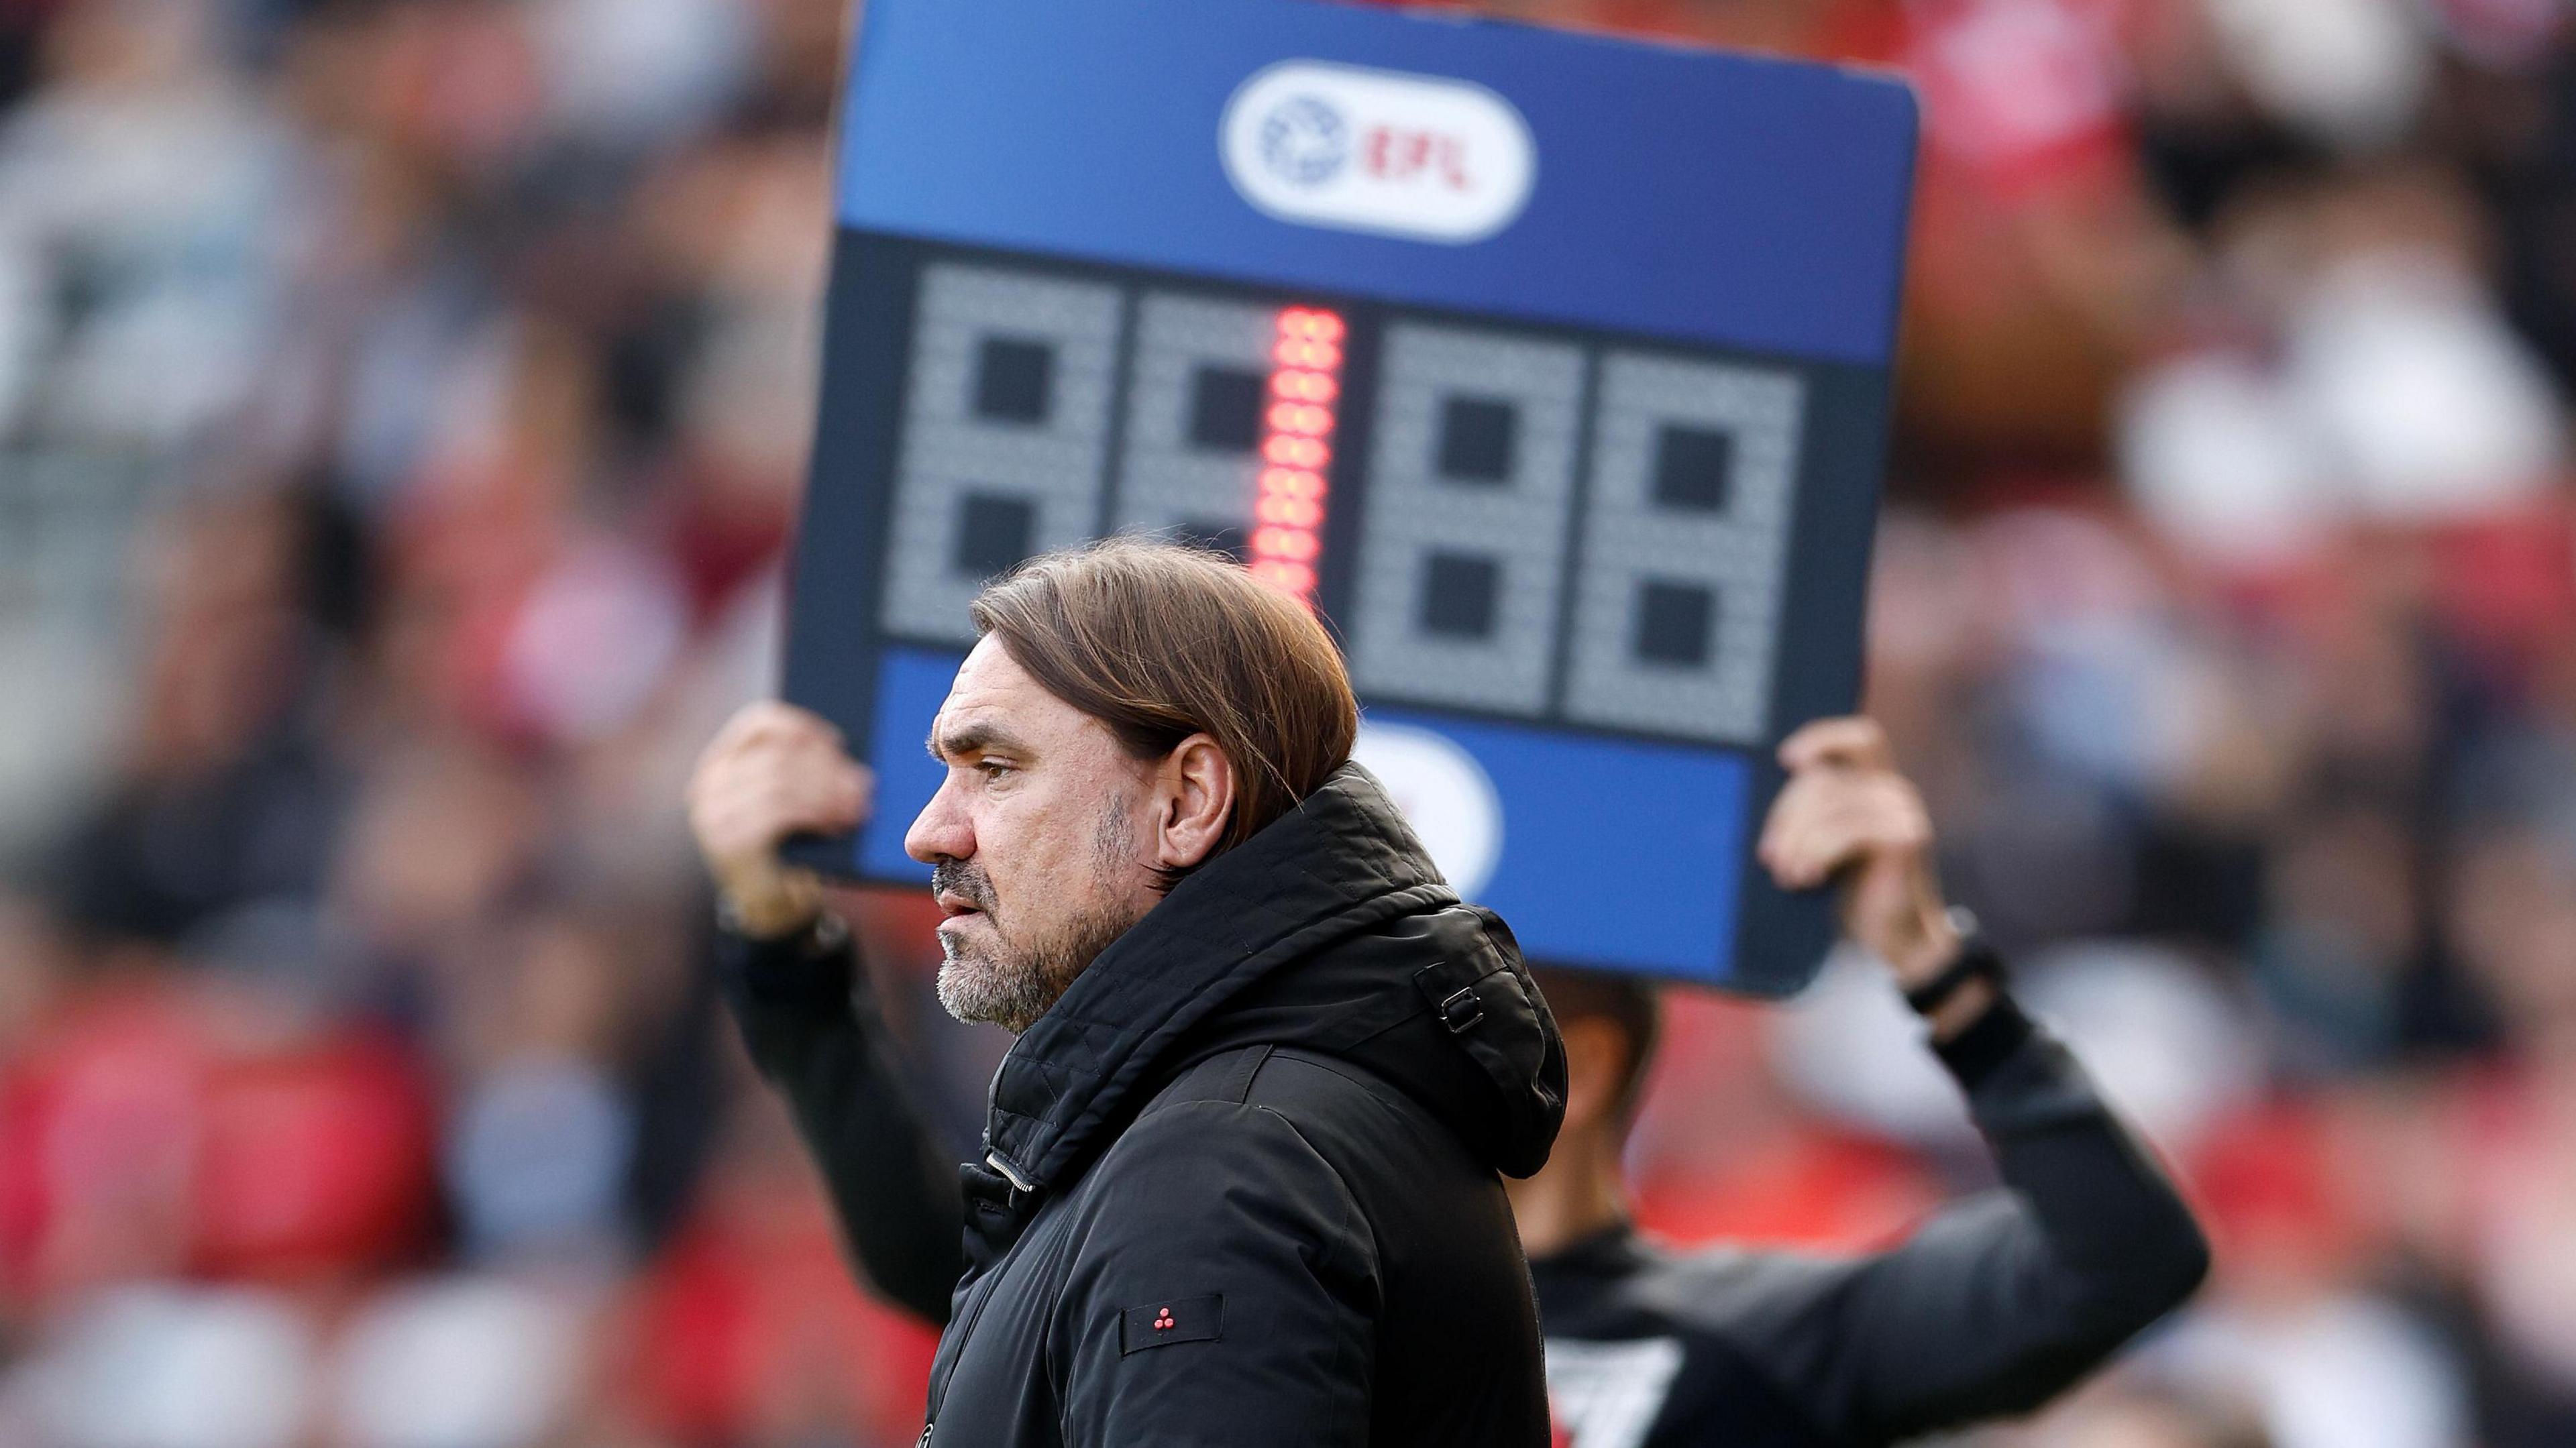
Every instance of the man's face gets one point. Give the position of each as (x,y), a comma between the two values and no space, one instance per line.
(1031,841)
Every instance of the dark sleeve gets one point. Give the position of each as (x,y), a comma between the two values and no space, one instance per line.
(813,1030)
(1231,1229)
(2002,1302)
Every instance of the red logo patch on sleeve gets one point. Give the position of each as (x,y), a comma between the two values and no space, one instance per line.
(1165,1321)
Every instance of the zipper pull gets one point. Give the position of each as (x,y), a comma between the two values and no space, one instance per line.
(924,1440)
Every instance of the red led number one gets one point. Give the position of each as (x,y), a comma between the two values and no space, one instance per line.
(1297,451)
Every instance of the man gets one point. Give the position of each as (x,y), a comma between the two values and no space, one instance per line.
(1239,1181)
(1993,1307)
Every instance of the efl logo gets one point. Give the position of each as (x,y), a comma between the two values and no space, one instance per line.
(1378,150)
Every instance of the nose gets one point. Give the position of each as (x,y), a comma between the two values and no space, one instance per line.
(941,831)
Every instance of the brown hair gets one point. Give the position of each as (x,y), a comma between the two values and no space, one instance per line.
(1160,641)
(1628,1003)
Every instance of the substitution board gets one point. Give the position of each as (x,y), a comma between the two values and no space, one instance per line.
(1551,370)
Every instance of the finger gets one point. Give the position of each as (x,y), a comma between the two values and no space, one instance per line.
(1803,839)
(1814,855)
(731,832)
(751,721)
(774,770)
(1791,812)
(794,721)
(769,721)
(784,750)
(795,806)
(1881,809)
(1850,742)
(1830,830)
(750,811)
(1810,850)
(810,763)
(1815,794)
(738,736)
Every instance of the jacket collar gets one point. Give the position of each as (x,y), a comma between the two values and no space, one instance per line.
(1341,862)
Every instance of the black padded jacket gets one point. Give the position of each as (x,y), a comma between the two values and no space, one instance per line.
(1993,1307)
(1240,1183)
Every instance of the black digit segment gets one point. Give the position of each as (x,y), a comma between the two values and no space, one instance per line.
(1694,469)
(1470,479)
(1685,546)
(1014,378)
(1225,409)
(993,534)
(1005,435)
(1476,437)
(1674,622)
(1195,389)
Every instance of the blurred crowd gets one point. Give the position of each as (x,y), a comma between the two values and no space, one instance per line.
(402,407)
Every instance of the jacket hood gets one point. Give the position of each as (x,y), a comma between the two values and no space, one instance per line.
(1329,930)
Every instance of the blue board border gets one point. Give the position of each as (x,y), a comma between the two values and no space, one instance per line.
(1714,198)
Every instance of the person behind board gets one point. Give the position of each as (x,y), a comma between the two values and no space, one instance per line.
(1991,1308)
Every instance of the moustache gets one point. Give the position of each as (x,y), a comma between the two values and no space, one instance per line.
(965,880)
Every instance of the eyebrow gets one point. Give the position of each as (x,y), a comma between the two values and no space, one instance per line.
(976,738)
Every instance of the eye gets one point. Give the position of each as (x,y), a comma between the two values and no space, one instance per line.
(992,768)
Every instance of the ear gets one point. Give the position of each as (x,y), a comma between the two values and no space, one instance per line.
(1194,802)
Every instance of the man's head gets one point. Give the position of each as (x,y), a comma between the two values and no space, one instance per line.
(1610,1024)
(1133,710)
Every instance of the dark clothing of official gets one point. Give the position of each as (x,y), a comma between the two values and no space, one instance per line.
(1992,1308)
(1240,1181)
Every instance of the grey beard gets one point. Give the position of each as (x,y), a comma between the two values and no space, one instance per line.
(1014,989)
(1014,986)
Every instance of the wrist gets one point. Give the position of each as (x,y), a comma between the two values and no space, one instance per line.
(814,969)
(1963,987)
(1928,949)
(1966,1006)
(786,908)
(1979,1046)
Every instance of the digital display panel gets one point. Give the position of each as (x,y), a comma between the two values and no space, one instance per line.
(1587,532)
(1572,441)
